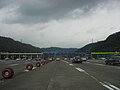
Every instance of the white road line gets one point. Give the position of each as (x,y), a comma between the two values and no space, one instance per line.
(26,70)
(65,61)
(112,86)
(52,81)
(109,86)
(13,64)
(115,87)
(34,68)
(118,67)
(100,64)
(87,62)
(81,70)
(94,78)
(106,86)
(71,64)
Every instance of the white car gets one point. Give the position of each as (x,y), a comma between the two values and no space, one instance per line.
(18,59)
(6,58)
(84,59)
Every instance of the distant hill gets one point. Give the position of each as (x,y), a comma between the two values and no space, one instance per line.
(59,50)
(10,45)
(112,43)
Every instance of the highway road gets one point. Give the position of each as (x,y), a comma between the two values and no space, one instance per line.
(61,75)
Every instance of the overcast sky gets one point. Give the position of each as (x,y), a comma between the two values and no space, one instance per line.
(59,23)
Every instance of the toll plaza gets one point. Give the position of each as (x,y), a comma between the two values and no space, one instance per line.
(20,55)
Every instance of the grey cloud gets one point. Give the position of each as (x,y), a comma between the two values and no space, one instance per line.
(31,11)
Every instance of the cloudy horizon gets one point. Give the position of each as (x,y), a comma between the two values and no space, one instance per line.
(59,23)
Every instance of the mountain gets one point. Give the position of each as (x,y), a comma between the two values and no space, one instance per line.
(59,50)
(112,43)
(10,45)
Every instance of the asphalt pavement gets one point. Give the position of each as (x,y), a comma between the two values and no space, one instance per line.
(61,75)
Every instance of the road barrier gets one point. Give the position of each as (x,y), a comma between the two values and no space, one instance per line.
(29,66)
(43,63)
(38,64)
(7,73)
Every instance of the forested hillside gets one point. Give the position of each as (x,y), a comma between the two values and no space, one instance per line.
(59,50)
(10,45)
(112,43)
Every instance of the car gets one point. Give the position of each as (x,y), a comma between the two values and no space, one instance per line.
(7,58)
(23,59)
(18,59)
(84,58)
(57,59)
(77,59)
(29,59)
(115,60)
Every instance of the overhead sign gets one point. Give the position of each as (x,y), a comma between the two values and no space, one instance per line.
(105,52)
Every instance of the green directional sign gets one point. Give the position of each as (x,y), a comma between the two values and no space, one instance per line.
(105,52)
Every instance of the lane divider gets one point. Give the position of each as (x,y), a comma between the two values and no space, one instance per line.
(109,86)
(29,70)
(34,68)
(7,73)
(81,70)
(65,61)
(105,84)
(116,88)
(13,64)
(100,64)
(71,64)
(26,70)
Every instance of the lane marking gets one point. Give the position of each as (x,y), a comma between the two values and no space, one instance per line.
(100,64)
(26,70)
(87,62)
(115,87)
(34,68)
(105,84)
(81,70)
(71,64)
(29,70)
(109,86)
(118,67)
(50,84)
(13,64)
(94,78)
(112,86)
(65,61)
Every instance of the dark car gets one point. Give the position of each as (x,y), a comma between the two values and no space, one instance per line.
(77,60)
(115,60)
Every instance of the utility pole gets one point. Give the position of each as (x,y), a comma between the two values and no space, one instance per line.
(92,40)
(21,40)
